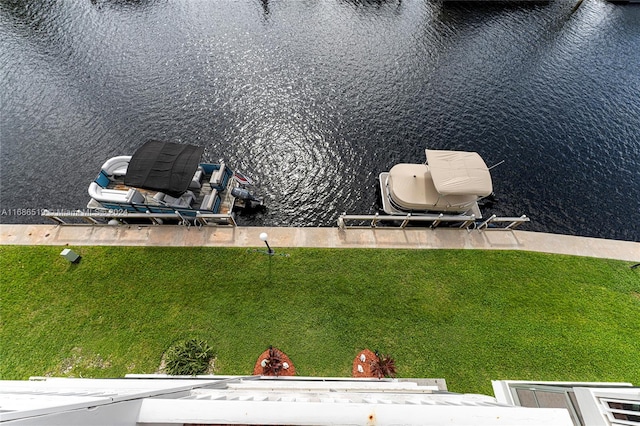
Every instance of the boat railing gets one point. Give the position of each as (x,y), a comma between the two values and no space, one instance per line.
(468,222)
(76,217)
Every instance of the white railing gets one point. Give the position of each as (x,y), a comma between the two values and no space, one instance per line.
(345,221)
(101,218)
(513,222)
(429,220)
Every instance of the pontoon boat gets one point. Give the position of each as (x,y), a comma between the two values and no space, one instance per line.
(450,182)
(165,177)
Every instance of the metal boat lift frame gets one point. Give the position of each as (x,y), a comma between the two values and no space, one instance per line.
(431,220)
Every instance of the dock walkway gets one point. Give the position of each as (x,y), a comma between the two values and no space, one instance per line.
(279,237)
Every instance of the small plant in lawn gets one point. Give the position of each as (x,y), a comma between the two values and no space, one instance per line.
(383,366)
(188,358)
(272,365)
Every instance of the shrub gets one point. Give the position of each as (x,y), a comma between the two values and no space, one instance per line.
(273,364)
(383,366)
(188,358)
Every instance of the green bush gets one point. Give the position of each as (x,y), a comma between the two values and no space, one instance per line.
(188,358)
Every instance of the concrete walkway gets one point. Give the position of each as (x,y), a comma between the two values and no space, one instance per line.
(440,238)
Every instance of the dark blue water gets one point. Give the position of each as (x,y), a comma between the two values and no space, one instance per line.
(314,98)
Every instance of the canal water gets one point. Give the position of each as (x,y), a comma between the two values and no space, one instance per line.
(314,98)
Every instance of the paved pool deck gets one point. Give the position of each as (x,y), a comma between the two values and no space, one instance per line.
(282,237)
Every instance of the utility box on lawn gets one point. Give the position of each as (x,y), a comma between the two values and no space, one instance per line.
(70,255)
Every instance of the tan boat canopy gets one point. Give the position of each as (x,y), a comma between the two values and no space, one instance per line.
(459,173)
(411,186)
(452,181)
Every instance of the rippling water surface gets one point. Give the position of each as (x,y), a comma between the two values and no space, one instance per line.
(314,98)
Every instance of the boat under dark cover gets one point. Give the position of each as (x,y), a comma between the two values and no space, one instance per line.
(163,166)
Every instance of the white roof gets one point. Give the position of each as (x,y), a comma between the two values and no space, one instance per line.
(255,400)
(459,173)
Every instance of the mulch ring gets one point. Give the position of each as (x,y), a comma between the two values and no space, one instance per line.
(259,371)
(369,356)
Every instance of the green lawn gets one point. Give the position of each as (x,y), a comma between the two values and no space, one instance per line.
(467,316)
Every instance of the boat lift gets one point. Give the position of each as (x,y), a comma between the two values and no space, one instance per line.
(468,222)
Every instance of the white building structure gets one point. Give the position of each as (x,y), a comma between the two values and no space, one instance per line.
(225,400)
(589,404)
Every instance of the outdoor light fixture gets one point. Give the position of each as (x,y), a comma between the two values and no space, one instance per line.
(271,252)
(263,237)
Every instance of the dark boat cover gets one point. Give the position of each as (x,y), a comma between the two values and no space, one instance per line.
(163,166)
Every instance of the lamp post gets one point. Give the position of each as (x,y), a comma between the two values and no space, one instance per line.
(263,237)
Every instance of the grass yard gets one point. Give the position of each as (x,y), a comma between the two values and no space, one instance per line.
(467,316)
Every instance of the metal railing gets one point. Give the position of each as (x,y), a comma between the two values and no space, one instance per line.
(467,222)
(429,220)
(103,218)
(513,222)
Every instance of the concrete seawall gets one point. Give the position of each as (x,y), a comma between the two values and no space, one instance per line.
(439,238)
